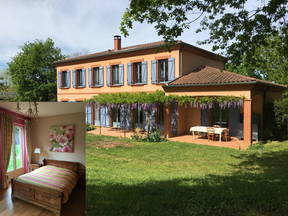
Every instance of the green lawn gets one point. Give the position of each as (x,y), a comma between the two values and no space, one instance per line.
(172,178)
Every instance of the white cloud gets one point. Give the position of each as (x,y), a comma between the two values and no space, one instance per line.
(74,25)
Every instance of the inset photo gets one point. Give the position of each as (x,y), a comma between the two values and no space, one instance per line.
(42,162)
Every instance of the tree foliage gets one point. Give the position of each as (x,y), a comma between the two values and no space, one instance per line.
(33,73)
(236,27)
(3,87)
(269,62)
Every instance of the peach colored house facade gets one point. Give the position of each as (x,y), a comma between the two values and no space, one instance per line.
(151,67)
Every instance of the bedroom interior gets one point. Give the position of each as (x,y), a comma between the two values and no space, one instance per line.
(42,158)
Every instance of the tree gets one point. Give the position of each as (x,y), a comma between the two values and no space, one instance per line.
(270,62)
(33,73)
(3,86)
(235,27)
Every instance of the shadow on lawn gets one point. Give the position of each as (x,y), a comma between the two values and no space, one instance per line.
(259,187)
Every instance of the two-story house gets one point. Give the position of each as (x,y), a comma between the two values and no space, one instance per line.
(180,69)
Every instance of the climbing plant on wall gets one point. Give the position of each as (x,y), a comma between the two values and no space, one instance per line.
(149,101)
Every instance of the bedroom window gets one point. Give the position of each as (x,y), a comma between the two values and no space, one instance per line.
(16,159)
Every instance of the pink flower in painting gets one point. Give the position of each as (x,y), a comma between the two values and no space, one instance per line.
(67,148)
(62,140)
(69,136)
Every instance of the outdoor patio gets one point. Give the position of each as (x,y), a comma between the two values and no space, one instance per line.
(233,143)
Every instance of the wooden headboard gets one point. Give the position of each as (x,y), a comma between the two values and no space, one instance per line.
(74,166)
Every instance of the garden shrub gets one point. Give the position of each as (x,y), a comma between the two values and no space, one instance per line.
(90,127)
(154,136)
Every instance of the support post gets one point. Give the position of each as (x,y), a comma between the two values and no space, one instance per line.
(247,123)
(167,121)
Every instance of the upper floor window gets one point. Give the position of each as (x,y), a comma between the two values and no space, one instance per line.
(163,70)
(96,76)
(115,75)
(137,73)
(64,79)
(79,78)
(163,75)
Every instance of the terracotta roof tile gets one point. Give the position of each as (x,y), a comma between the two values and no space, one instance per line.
(206,75)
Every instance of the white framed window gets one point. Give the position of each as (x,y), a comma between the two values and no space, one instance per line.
(16,156)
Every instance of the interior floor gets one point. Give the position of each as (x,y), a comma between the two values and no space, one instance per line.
(74,207)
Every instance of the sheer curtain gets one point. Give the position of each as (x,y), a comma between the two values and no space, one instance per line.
(6,131)
(27,150)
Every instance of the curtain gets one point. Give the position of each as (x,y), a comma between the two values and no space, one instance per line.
(27,146)
(6,129)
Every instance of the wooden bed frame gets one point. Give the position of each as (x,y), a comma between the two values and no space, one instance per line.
(44,197)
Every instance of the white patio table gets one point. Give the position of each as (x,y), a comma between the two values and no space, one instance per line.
(203,129)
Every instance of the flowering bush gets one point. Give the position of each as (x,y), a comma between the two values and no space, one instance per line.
(61,138)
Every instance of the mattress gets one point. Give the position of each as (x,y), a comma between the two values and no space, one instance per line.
(52,177)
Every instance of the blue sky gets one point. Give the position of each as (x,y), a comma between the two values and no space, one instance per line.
(75,26)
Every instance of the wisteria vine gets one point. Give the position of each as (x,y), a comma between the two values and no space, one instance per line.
(150,101)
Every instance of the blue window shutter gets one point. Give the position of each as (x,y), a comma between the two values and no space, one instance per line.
(129,73)
(74,78)
(68,79)
(83,84)
(144,72)
(101,76)
(90,77)
(121,74)
(59,80)
(154,70)
(108,73)
(171,69)
(107,117)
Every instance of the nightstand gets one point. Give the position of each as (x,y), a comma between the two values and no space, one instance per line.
(33,167)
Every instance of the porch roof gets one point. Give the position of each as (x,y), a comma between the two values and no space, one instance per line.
(207,76)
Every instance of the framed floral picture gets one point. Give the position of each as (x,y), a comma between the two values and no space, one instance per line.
(62,138)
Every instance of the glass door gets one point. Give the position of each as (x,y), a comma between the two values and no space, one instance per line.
(16,159)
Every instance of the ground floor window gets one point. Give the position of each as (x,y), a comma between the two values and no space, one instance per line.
(220,116)
(16,156)
(139,118)
(88,114)
(116,115)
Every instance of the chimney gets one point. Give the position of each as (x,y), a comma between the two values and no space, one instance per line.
(117,42)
